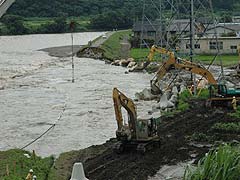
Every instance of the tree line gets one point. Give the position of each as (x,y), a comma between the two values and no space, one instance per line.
(103,14)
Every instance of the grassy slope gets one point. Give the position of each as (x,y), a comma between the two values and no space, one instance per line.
(19,165)
(228,60)
(112,45)
(37,22)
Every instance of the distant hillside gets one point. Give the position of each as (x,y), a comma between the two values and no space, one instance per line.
(133,8)
(39,16)
(53,8)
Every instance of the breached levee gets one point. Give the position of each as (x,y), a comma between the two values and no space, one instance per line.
(91,52)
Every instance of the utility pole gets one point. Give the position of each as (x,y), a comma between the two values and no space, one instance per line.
(192,33)
(72,28)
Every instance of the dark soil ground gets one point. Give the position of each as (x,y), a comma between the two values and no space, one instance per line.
(179,142)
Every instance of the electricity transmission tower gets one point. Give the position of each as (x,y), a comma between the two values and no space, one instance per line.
(181,23)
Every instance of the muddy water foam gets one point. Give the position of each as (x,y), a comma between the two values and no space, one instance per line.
(38,87)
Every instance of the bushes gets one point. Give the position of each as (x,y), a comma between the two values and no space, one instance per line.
(227,127)
(183,101)
(236,114)
(19,165)
(220,164)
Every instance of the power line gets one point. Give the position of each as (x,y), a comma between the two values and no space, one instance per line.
(49,129)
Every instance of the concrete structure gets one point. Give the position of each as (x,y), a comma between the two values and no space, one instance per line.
(223,29)
(236,19)
(78,172)
(208,45)
(149,29)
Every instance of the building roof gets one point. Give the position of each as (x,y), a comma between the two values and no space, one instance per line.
(233,26)
(209,38)
(146,26)
(176,25)
(181,25)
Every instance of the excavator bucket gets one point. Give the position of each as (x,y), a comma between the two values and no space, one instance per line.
(155,90)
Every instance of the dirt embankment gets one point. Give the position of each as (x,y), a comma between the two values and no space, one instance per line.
(177,145)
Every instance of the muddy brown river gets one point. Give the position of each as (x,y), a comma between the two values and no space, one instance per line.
(35,88)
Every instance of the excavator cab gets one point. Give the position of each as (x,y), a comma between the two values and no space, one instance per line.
(140,134)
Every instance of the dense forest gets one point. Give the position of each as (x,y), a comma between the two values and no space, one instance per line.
(98,14)
(54,8)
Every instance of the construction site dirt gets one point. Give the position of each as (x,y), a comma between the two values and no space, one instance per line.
(177,145)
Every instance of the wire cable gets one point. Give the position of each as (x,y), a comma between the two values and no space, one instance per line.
(50,128)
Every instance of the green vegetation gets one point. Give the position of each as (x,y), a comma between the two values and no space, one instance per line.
(183,98)
(227,127)
(133,8)
(102,14)
(220,164)
(183,101)
(112,46)
(227,60)
(33,23)
(19,165)
(200,137)
(141,54)
(236,114)
(12,25)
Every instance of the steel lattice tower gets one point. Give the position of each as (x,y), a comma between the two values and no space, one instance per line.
(168,15)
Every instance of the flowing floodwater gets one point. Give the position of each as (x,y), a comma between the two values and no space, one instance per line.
(36,88)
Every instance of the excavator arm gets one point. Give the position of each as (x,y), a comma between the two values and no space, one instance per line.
(120,100)
(152,52)
(176,63)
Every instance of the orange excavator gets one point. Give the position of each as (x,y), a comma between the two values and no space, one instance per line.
(133,133)
(174,62)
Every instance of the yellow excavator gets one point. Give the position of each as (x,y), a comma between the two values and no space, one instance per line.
(219,94)
(174,62)
(140,134)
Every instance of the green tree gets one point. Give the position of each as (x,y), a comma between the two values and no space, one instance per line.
(111,20)
(14,24)
(58,26)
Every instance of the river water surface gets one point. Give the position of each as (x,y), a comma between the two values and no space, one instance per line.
(35,88)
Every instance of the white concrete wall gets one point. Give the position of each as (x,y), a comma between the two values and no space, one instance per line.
(205,48)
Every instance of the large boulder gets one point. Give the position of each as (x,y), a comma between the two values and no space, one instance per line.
(173,98)
(116,63)
(131,64)
(182,88)
(175,90)
(124,62)
(165,103)
(130,59)
(145,95)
